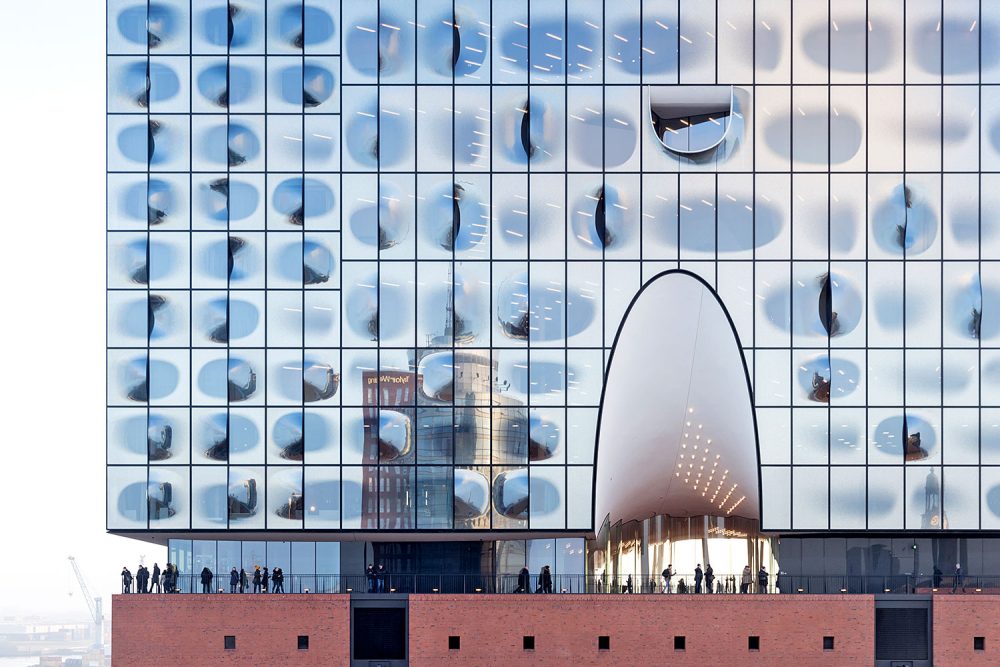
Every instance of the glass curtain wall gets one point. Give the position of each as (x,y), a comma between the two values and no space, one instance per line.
(366,260)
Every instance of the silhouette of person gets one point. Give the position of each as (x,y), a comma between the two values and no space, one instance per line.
(126,580)
(206,580)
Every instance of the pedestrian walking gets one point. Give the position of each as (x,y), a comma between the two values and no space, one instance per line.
(264,580)
(546,579)
(256,579)
(698,576)
(746,580)
(243,580)
(234,580)
(278,576)
(667,576)
(156,579)
(959,579)
(523,581)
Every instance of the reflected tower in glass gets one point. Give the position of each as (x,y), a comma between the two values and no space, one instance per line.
(368,263)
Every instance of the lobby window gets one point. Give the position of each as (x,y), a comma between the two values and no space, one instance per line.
(753,643)
(979,643)
(604,643)
(303,642)
(230,642)
(827,643)
(454,643)
(680,642)
(529,643)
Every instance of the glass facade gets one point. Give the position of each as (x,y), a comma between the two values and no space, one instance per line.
(367,260)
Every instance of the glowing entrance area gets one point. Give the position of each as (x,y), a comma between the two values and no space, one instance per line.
(677,465)
(639,551)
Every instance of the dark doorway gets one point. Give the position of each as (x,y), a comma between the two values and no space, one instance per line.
(379,633)
(902,631)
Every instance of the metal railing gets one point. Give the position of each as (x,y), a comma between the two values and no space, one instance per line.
(680,584)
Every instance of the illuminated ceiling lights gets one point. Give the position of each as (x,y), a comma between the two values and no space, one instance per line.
(699,453)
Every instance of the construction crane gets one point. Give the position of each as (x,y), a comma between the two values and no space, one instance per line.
(93,604)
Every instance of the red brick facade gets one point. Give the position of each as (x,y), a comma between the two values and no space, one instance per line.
(641,629)
(960,618)
(189,630)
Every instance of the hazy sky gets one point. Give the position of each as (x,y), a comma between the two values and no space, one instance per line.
(52,259)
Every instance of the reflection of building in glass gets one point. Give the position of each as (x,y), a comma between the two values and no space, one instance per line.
(387,485)
(358,283)
(933,517)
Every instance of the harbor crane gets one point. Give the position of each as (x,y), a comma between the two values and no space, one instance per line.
(93,604)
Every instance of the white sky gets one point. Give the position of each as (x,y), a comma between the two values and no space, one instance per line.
(52,277)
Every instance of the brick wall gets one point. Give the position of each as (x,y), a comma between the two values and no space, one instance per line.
(641,629)
(163,631)
(959,618)
(188,630)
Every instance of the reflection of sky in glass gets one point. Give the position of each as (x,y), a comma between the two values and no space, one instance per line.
(517,222)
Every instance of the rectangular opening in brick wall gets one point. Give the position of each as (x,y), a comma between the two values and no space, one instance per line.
(303,642)
(979,643)
(454,642)
(753,643)
(827,643)
(902,634)
(680,641)
(604,643)
(379,633)
(229,642)
(529,643)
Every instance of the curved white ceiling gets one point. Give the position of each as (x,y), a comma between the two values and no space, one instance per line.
(677,431)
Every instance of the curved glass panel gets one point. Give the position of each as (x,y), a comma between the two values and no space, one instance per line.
(690,119)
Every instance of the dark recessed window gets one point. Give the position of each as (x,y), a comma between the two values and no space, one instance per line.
(529,643)
(680,641)
(753,643)
(827,643)
(230,642)
(454,643)
(303,642)
(604,643)
(979,643)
